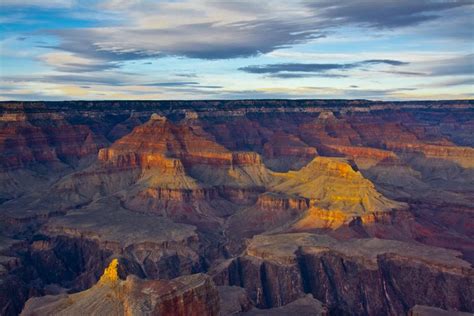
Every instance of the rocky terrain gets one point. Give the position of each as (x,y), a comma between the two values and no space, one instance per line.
(187,295)
(361,276)
(309,207)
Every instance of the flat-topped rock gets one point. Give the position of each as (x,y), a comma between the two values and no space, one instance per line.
(305,306)
(282,248)
(421,310)
(279,269)
(106,220)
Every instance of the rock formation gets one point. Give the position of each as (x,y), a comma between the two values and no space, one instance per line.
(335,206)
(186,295)
(362,276)
(337,192)
(303,306)
(420,310)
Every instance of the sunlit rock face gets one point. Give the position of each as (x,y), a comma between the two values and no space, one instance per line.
(182,170)
(338,194)
(289,206)
(148,144)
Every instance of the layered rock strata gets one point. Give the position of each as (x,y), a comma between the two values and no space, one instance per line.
(361,277)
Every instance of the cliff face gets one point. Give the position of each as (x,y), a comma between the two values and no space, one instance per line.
(271,201)
(460,155)
(177,188)
(26,140)
(364,157)
(284,151)
(361,277)
(187,295)
(160,138)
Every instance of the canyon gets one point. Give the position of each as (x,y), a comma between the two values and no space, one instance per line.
(252,207)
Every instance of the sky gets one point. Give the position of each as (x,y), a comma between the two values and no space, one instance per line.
(323,49)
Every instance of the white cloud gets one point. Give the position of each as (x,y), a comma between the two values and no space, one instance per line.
(69,62)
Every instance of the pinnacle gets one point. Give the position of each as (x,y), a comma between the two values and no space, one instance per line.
(110,274)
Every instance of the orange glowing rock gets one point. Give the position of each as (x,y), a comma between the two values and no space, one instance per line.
(321,218)
(110,274)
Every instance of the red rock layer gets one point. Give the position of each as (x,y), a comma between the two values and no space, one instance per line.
(23,144)
(182,297)
(160,143)
(270,201)
(328,131)
(149,143)
(281,145)
(246,158)
(182,195)
(243,196)
(130,159)
(363,152)
(462,155)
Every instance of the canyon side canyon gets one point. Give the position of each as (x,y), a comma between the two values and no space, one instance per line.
(248,207)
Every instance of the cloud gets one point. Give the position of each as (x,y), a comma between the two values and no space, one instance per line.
(69,62)
(405,73)
(31,97)
(311,92)
(293,67)
(78,52)
(193,29)
(103,79)
(289,75)
(462,65)
(385,13)
(298,70)
(181,84)
(115,79)
(466,81)
(385,61)
(186,75)
(88,42)
(201,40)
(226,30)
